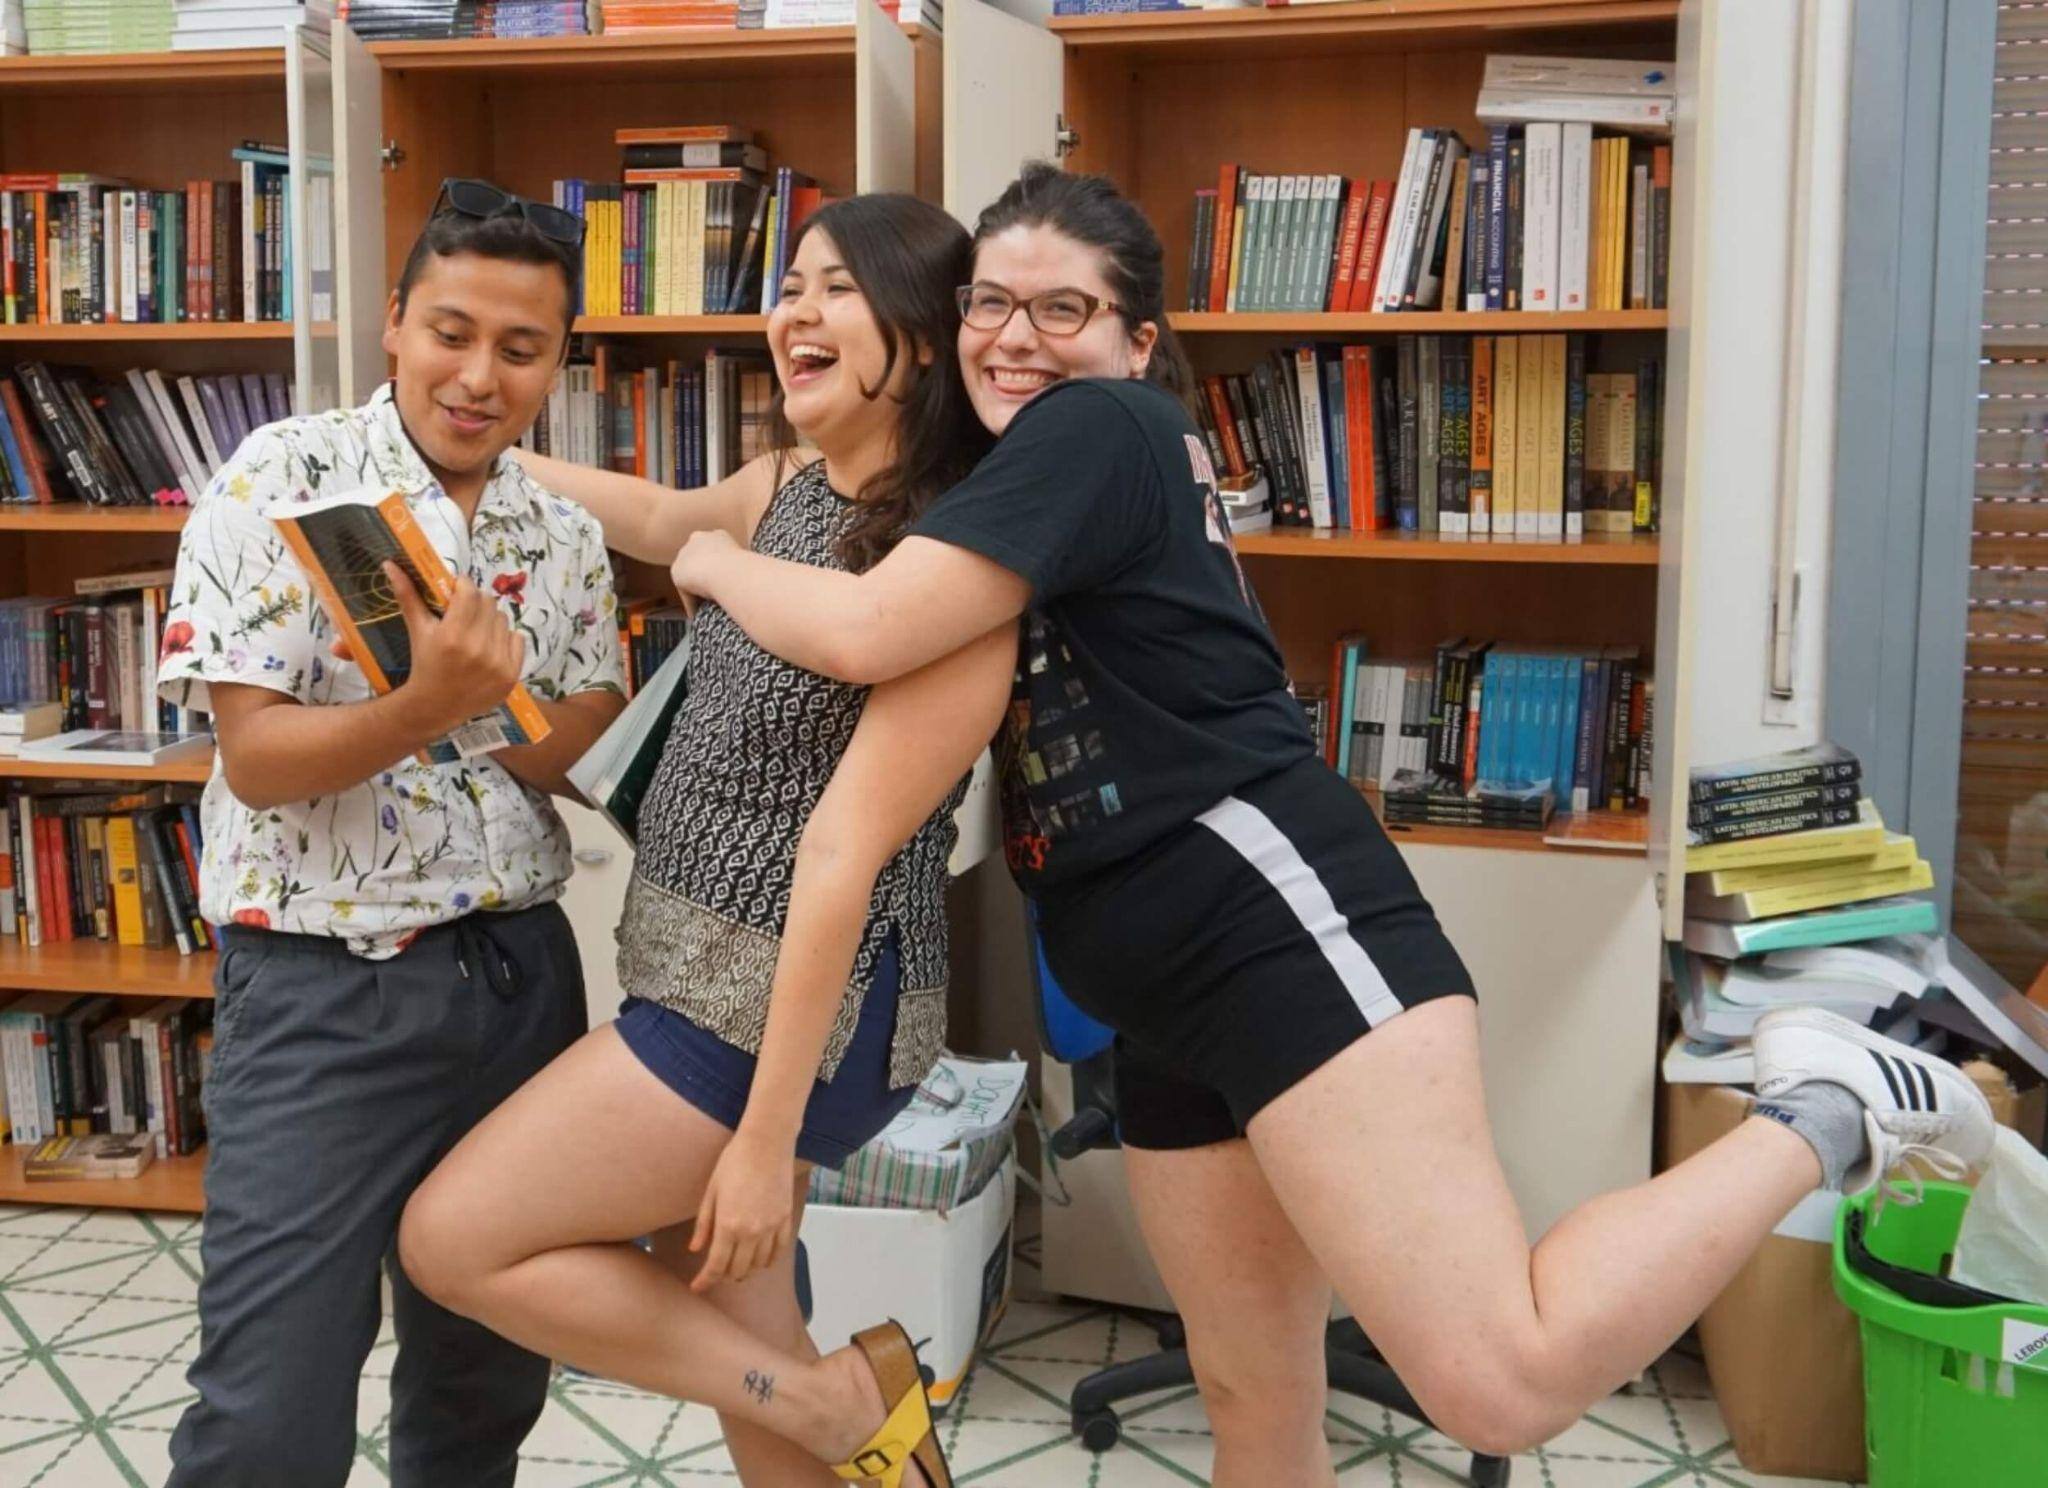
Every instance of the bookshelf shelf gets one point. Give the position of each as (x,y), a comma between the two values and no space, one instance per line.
(73,516)
(1421,322)
(174,1184)
(199,330)
(103,967)
(672,325)
(154,72)
(1597,831)
(1365,25)
(1598,548)
(193,770)
(727,53)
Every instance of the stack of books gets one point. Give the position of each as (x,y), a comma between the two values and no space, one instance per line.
(1510,731)
(80,1066)
(1455,436)
(668,15)
(222,25)
(140,439)
(97,26)
(684,423)
(399,20)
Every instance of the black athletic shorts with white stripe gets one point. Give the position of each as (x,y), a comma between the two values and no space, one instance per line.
(1243,952)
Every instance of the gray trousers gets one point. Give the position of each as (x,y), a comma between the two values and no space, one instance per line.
(337,1084)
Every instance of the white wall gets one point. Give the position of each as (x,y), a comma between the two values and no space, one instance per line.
(1756,323)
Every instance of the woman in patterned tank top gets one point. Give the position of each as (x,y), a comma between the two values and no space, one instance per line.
(783,944)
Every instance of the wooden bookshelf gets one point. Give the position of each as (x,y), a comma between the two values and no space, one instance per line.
(192,770)
(1596,548)
(103,967)
(1420,322)
(191,331)
(671,325)
(1371,25)
(150,72)
(74,516)
(172,1185)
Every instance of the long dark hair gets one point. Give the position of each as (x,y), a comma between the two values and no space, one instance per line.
(1090,210)
(907,256)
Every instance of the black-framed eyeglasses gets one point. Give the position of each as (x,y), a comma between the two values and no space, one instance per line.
(1057,312)
(481,199)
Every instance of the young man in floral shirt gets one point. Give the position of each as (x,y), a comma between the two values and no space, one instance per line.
(393,962)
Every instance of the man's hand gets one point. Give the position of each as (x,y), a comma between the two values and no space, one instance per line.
(465,661)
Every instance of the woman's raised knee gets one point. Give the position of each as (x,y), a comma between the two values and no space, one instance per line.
(437,1249)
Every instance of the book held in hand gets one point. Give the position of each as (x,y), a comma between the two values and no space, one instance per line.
(616,771)
(343,543)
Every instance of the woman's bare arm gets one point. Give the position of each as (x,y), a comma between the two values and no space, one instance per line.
(647,520)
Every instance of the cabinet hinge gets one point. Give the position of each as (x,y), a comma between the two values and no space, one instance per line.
(1064,140)
(393,154)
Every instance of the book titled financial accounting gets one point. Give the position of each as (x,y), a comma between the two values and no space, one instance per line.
(88,747)
(343,543)
(87,1158)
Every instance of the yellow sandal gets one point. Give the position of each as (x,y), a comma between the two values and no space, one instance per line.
(908,1434)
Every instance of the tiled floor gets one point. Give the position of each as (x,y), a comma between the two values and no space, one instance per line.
(97,1323)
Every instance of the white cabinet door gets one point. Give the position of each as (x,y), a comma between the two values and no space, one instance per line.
(884,103)
(1004,91)
(596,892)
(358,135)
(309,135)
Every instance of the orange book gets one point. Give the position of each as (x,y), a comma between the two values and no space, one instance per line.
(685,134)
(1349,236)
(1219,255)
(639,381)
(1358,425)
(653,175)
(1226,426)
(1371,244)
(342,543)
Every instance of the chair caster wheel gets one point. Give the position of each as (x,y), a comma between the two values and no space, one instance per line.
(1172,1333)
(1491,1472)
(929,1375)
(1100,1431)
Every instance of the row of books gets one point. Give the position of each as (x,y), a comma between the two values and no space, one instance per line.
(697,226)
(1507,436)
(412,20)
(83,1065)
(685,424)
(66,435)
(121,868)
(80,249)
(89,660)
(650,631)
(1484,719)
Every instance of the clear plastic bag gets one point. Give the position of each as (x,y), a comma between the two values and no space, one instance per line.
(2003,1244)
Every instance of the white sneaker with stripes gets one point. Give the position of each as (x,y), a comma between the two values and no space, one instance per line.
(1915,1106)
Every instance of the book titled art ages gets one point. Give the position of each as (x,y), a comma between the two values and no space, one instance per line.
(343,543)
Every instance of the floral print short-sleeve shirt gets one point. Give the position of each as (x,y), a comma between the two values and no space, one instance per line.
(415,845)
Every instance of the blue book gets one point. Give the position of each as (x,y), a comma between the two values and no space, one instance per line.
(1497,716)
(1331,361)
(1473,283)
(1586,732)
(1497,217)
(1348,704)
(24,489)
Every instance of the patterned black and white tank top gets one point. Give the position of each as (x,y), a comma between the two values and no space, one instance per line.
(753,747)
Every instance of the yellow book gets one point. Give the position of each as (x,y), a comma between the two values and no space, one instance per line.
(1617,269)
(124,869)
(1507,384)
(1529,441)
(1858,839)
(1596,246)
(769,288)
(1550,515)
(1760,904)
(1899,851)
(95,829)
(693,300)
(1621,452)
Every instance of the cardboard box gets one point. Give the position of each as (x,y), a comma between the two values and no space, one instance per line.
(944,1277)
(1784,1354)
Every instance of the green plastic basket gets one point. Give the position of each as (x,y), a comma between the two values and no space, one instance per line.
(1945,1407)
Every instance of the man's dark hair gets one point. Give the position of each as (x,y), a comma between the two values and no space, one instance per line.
(507,236)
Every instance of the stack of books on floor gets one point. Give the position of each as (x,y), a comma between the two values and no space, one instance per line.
(82,1066)
(92,659)
(1489,734)
(1451,436)
(88,250)
(137,440)
(1548,215)
(119,867)
(224,25)
(684,423)
(77,27)
(697,225)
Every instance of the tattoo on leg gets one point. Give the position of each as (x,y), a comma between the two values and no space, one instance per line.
(760,1386)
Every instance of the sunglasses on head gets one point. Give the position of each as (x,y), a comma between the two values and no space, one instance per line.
(482,199)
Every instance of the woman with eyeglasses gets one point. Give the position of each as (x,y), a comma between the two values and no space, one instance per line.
(783,943)
(1297,1059)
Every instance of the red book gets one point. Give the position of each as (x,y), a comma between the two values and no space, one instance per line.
(1219,255)
(99,712)
(33,454)
(1358,411)
(1226,426)
(1371,244)
(53,862)
(1348,238)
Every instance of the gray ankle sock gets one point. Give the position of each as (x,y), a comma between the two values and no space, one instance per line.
(1830,1117)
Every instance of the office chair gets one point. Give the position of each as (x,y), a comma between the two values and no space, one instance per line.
(1355,1366)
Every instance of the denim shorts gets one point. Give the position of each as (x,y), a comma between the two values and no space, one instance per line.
(842,1115)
